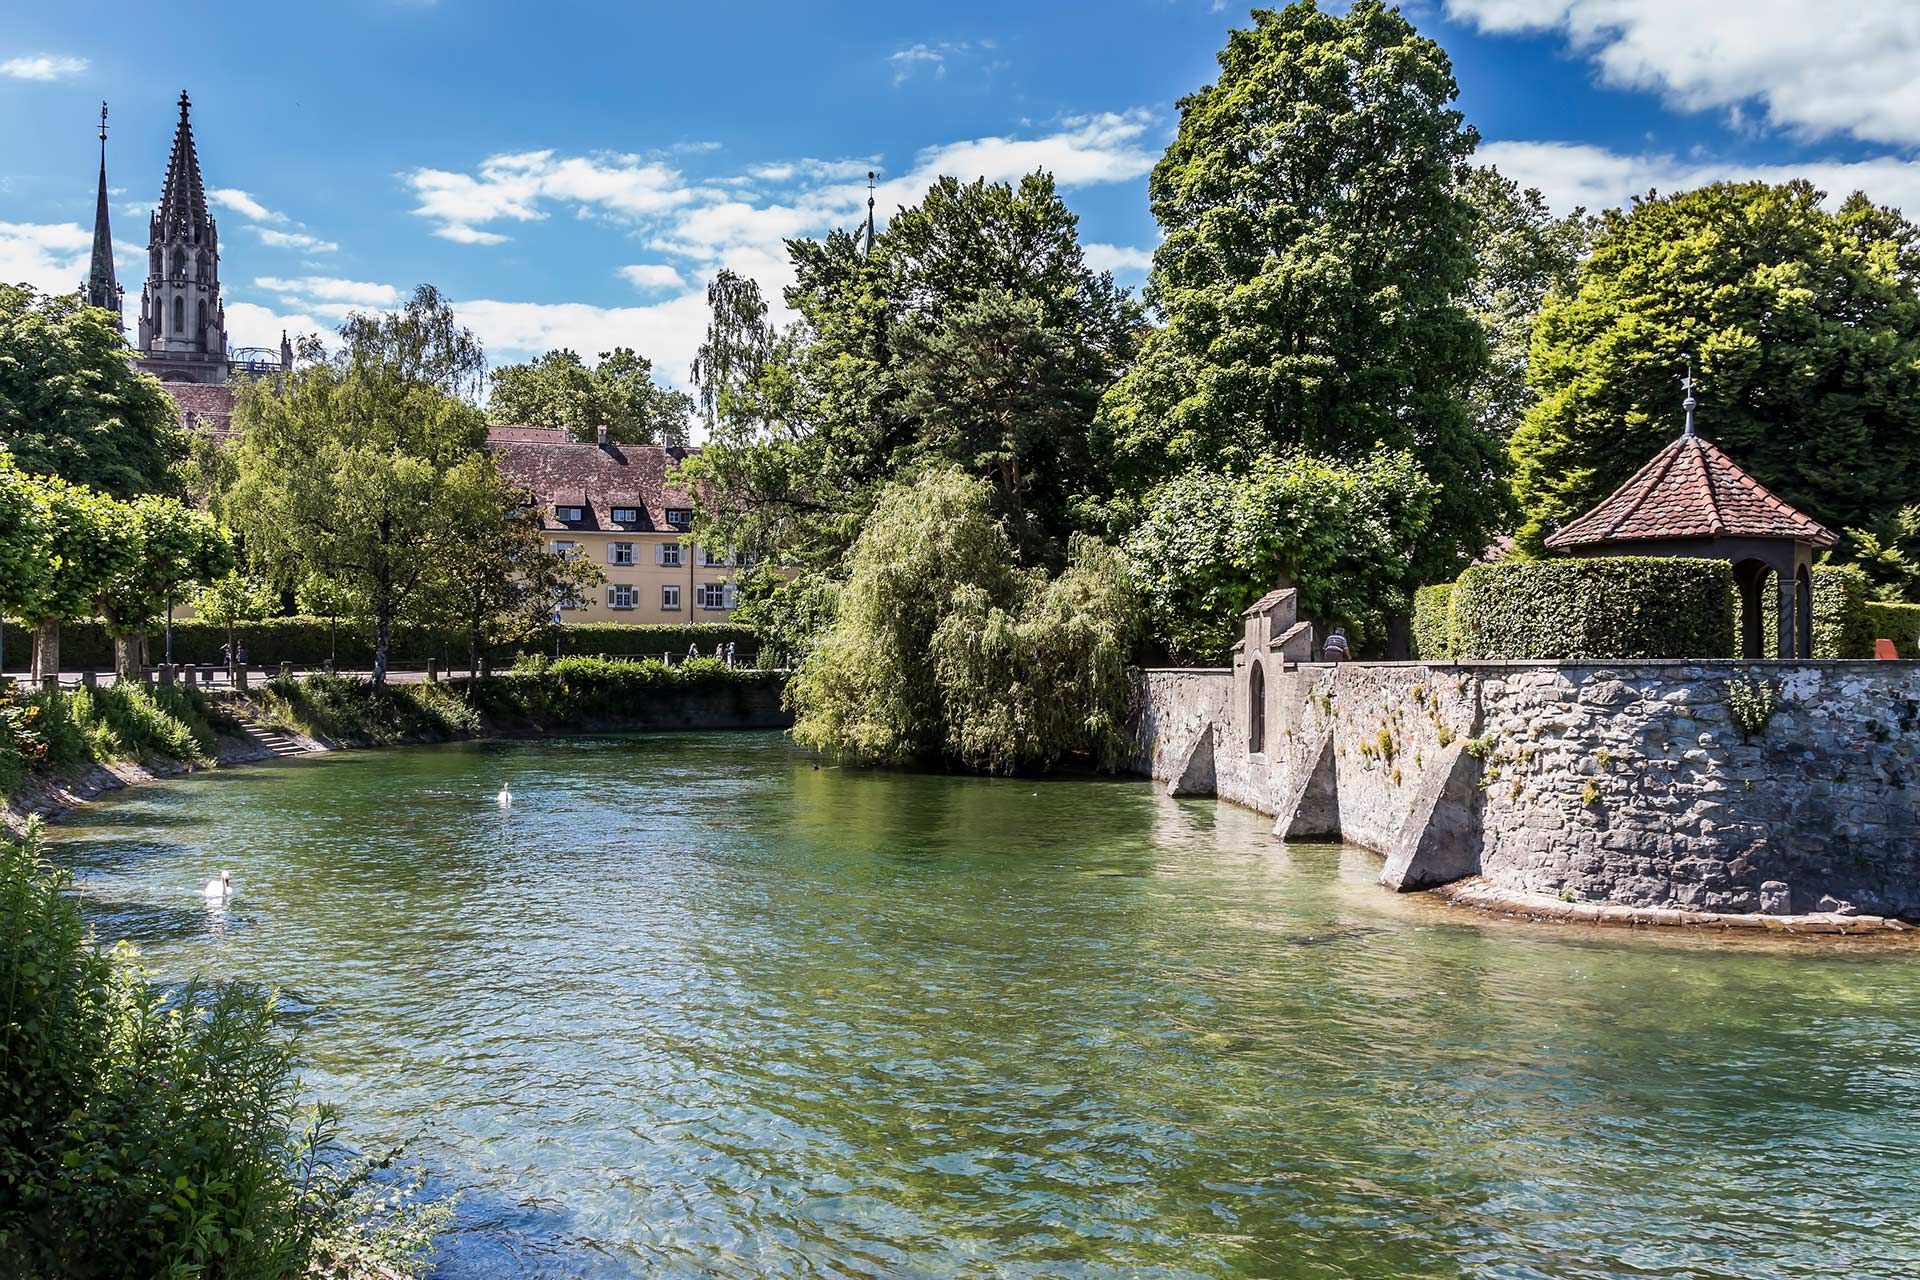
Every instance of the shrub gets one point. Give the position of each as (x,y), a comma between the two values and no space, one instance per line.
(349,710)
(1840,625)
(599,690)
(154,1133)
(1899,623)
(1433,638)
(1603,608)
(66,730)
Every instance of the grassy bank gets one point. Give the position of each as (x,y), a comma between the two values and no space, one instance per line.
(61,732)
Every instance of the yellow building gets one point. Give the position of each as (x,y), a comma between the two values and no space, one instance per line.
(614,504)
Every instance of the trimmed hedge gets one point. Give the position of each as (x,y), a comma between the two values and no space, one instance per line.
(1899,623)
(304,642)
(1600,608)
(1433,639)
(1840,625)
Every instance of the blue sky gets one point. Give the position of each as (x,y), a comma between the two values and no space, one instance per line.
(572,174)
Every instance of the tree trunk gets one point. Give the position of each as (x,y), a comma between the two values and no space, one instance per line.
(382,621)
(46,650)
(126,656)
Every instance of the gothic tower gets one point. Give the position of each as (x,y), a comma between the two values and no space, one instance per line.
(183,324)
(101,289)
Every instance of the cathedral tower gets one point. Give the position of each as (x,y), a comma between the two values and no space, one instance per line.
(101,289)
(183,325)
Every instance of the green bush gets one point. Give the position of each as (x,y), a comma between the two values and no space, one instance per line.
(576,691)
(1899,623)
(1433,639)
(1840,625)
(1603,608)
(348,710)
(69,729)
(153,1133)
(305,642)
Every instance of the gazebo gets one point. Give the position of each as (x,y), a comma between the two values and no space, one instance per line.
(1692,500)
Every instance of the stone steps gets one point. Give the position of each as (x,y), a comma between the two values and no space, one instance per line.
(278,742)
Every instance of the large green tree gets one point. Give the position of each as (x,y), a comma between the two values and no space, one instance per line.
(1804,330)
(71,403)
(171,549)
(1318,249)
(89,541)
(350,467)
(25,560)
(562,391)
(973,332)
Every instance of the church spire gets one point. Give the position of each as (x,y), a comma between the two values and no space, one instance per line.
(102,289)
(866,240)
(183,202)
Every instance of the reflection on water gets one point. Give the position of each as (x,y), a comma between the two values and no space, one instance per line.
(693,1008)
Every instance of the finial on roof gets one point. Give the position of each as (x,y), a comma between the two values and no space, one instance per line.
(103,128)
(184,104)
(1688,403)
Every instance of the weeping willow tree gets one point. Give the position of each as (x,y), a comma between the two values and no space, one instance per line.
(943,649)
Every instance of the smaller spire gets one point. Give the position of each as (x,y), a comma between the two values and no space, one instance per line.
(866,246)
(1686,384)
(102,289)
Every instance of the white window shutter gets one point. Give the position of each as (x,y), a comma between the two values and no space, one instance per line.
(659,553)
(728,596)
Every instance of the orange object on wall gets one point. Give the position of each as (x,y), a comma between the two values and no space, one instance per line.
(1885,650)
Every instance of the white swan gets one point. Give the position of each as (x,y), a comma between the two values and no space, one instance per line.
(505,798)
(220,887)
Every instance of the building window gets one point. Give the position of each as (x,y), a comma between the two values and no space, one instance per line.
(670,597)
(570,515)
(620,553)
(569,599)
(621,595)
(679,517)
(564,547)
(180,264)
(714,595)
(714,559)
(179,315)
(626,515)
(201,310)
(669,554)
(1256,710)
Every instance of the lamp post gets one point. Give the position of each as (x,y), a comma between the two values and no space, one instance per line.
(170,626)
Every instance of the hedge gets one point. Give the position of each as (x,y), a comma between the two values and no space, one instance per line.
(1433,639)
(304,642)
(1600,608)
(1899,623)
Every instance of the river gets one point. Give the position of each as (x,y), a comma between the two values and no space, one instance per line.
(695,1008)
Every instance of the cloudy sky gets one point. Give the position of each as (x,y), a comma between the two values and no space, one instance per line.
(573,174)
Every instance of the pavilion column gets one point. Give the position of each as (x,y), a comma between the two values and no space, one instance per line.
(1787,582)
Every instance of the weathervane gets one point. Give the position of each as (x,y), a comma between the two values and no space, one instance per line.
(1686,384)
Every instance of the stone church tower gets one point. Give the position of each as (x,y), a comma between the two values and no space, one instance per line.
(183,324)
(101,289)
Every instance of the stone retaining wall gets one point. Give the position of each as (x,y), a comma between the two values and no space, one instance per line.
(1626,783)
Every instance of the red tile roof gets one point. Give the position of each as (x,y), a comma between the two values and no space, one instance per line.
(558,470)
(203,406)
(1690,490)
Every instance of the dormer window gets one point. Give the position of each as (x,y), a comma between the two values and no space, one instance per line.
(626,515)
(570,515)
(679,517)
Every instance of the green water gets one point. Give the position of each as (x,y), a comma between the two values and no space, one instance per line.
(694,1008)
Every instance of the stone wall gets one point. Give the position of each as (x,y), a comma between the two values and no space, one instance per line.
(1591,783)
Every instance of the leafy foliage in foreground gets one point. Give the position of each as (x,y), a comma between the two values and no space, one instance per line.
(942,649)
(154,1133)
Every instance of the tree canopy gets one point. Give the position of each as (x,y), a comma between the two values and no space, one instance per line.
(974,333)
(71,402)
(1318,249)
(562,391)
(1804,330)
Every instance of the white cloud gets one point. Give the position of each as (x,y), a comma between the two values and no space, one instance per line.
(243,204)
(1118,258)
(50,256)
(322,293)
(251,325)
(513,187)
(911,59)
(293,240)
(1573,174)
(667,332)
(42,66)
(1815,69)
(652,275)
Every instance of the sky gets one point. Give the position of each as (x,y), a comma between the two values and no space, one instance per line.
(572,174)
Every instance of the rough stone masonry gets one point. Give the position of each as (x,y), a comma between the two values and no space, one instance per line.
(1633,784)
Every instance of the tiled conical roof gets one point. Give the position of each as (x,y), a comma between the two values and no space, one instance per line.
(1691,490)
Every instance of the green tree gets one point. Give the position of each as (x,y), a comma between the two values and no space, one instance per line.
(346,468)
(1318,249)
(1889,555)
(89,542)
(171,549)
(500,583)
(1804,330)
(319,596)
(1343,535)
(941,648)
(234,598)
(891,349)
(1523,252)
(740,344)
(26,561)
(560,390)
(71,403)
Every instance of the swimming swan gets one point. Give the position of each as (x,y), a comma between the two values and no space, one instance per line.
(220,887)
(505,798)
